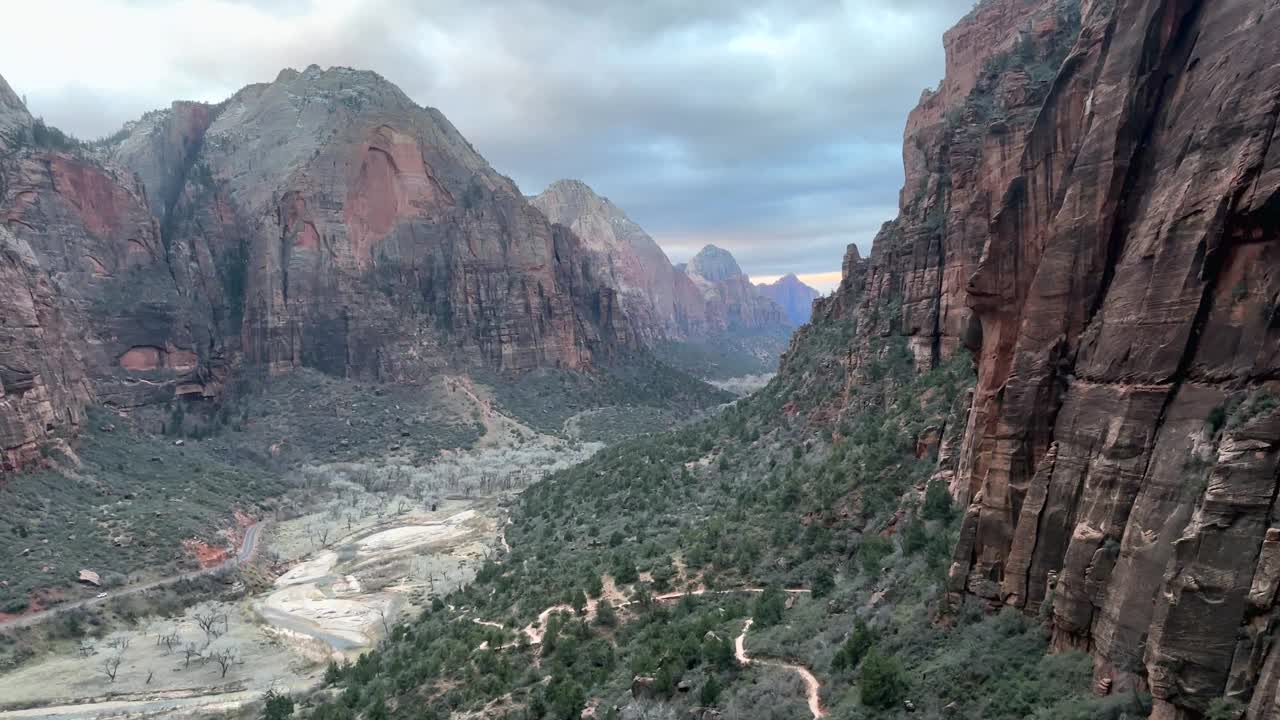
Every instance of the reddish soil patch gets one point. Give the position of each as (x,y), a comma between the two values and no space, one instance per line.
(205,554)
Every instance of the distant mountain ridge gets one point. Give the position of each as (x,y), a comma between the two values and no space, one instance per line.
(795,297)
(709,298)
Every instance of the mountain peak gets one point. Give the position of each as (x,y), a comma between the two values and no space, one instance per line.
(571,185)
(715,264)
(568,199)
(795,297)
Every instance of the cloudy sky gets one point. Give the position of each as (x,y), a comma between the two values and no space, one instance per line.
(769,127)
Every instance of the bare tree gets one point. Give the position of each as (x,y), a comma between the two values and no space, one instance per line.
(208,621)
(111,666)
(190,651)
(225,659)
(169,641)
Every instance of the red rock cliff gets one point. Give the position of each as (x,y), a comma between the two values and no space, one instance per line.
(338,225)
(1091,206)
(321,220)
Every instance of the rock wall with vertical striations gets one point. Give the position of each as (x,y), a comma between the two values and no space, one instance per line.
(340,226)
(1091,207)
(321,220)
(667,302)
(662,301)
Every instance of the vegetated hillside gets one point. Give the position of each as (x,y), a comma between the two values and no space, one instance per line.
(713,324)
(752,499)
(1088,223)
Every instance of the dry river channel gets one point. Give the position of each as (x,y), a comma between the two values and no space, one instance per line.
(332,603)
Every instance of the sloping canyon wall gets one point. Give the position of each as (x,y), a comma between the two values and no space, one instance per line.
(1091,209)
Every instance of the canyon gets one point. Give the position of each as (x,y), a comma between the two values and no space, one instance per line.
(1084,255)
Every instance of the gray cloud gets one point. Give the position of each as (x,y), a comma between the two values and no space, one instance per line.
(770,127)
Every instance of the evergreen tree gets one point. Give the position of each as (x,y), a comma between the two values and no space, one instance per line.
(278,706)
(883,682)
(710,692)
(937,503)
(605,614)
(769,606)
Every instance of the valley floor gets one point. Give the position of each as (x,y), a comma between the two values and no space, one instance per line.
(378,541)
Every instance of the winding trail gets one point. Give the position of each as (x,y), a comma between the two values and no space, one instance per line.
(813,688)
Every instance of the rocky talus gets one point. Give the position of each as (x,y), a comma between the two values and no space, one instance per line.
(1091,209)
(320,220)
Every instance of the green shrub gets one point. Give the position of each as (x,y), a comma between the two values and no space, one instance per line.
(278,706)
(710,693)
(822,582)
(605,614)
(873,551)
(1224,709)
(937,503)
(883,682)
(853,649)
(769,606)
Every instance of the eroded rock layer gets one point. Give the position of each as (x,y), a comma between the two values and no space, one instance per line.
(1091,208)
(320,220)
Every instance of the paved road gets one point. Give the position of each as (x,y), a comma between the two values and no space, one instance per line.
(245,554)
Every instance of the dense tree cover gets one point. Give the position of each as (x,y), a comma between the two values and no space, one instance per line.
(777,492)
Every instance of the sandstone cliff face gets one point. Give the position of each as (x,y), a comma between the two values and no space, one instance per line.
(711,296)
(1091,207)
(43,389)
(320,220)
(340,226)
(793,296)
(15,122)
(661,301)
(729,292)
(95,311)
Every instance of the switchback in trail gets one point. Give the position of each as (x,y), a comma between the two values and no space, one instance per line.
(812,687)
